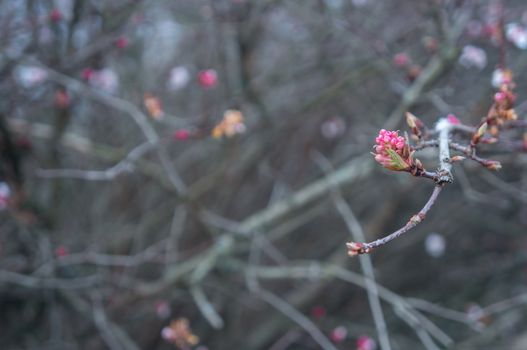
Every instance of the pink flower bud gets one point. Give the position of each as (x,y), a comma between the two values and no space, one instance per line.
(401,59)
(391,151)
(452,119)
(208,78)
(181,134)
(163,309)
(318,312)
(122,42)
(55,15)
(366,343)
(168,333)
(339,334)
(61,251)
(87,74)
(500,97)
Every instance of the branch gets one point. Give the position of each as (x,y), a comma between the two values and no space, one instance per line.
(444,127)
(100,175)
(355,248)
(357,233)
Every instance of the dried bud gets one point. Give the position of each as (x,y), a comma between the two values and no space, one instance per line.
(493,165)
(411,120)
(355,248)
(510,114)
(493,130)
(479,133)
(413,72)
(482,129)
(456,159)
(416,219)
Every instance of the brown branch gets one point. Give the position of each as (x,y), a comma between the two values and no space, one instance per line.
(355,248)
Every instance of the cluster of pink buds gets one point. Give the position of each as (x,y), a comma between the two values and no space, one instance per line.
(393,152)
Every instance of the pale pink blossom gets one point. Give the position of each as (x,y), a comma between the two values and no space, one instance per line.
(105,79)
(517,34)
(473,56)
(435,245)
(365,342)
(168,333)
(163,309)
(178,78)
(333,128)
(339,334)
(30,76)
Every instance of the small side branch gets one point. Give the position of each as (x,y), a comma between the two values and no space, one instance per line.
(444,127)
(355,248)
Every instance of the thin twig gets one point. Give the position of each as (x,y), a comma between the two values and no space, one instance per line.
(111,173)
(205,307)
(357,234)
(295,315)
(355,248)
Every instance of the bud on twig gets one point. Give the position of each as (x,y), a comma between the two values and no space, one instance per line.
(479,134)
(456,159)
(413,122)
(493,165)
(355,248)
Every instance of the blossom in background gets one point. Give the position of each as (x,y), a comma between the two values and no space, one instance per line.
(231,124)
(87,73)
(105,79)
(178,78)
(500,77)
(474,28)
(339,334)
(163,309)
(122,42)
(61,251)
(477,314)
(30,76)
(517,35)
(5,193)
(401,59)
(153,106)
(182,134)
(208,78)
(430,43)
(179,334)
(318,312)
(435,245)
(365,342)
(392,151)
(333,128)
(473,56)
(55,15)
(62,99)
